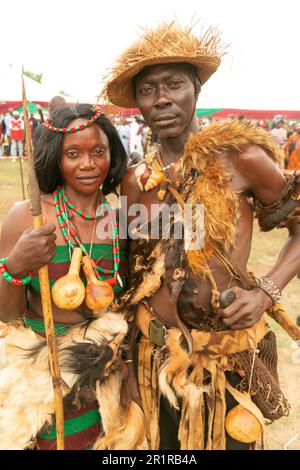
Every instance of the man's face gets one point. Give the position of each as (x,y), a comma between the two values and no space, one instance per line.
(165,95)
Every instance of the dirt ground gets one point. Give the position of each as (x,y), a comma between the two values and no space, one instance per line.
(266,246)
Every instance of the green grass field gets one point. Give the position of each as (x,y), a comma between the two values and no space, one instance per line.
(11,184)
(266,247)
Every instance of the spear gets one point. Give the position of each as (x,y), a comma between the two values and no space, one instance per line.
(36,211)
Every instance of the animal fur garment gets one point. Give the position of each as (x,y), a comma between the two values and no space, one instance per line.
(204,180)
(26,391)
(285,211)
(124,429)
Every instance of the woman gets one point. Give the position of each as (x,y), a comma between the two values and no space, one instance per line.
(79,160)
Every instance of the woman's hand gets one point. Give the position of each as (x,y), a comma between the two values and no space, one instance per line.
(246,309)
(34,249)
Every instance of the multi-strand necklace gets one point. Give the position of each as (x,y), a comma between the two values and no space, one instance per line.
(61,201)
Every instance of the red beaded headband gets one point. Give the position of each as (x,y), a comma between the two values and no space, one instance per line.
(64,130)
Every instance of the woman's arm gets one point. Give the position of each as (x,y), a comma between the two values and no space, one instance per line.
(26,249)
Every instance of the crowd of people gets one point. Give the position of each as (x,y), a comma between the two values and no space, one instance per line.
(285,133)
(12,135)
(138,139)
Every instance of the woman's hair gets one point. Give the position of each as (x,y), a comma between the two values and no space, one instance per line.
(48,149)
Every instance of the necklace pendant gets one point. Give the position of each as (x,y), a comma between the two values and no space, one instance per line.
(142,174)
(155,179)
(161,194)
(147,178)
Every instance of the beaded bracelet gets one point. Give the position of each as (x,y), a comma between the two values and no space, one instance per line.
(10,279)
(270,288)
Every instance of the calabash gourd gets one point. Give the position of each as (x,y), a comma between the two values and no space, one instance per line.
(68,291)
(98,294)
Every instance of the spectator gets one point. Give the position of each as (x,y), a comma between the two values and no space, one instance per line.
(124,133)
(136,136)
(279,132)
(33,123)
(17,135)
(294,149)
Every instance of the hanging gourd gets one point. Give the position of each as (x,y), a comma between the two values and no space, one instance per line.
(99,295)
(68,292)
(242,425)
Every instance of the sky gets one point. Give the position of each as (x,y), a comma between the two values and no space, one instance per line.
(73,42)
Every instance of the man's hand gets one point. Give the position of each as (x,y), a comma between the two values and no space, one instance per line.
(246,309)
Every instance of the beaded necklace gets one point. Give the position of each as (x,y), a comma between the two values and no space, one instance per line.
(102,200)
(67,231)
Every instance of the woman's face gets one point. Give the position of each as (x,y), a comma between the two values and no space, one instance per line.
(85,158)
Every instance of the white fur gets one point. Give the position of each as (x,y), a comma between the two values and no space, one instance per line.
(26,392)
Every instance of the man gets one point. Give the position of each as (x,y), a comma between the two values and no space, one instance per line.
(7,133)
(293,149)
(17,135)
(136,136)
(124,133)
(33,123)
(196,360)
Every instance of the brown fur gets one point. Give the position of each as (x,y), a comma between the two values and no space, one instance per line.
(124,429)
(210,187)
(176,366)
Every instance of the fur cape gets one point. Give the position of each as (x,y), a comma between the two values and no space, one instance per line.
(204,180)
(26,392)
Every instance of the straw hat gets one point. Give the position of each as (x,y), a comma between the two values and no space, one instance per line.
(168,43)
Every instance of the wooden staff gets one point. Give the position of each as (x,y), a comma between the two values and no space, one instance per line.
(36,210)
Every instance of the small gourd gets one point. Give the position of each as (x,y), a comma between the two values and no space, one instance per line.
(68,291)
(99,295)
(242,425)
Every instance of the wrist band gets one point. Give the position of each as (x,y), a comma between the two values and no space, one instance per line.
(269,287)
(10,279)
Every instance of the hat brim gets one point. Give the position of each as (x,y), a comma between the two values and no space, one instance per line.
(120,90)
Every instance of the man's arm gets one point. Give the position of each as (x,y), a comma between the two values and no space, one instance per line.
(261,175)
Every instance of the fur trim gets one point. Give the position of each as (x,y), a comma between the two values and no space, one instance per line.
(124,429)
(151,280)
(26,392)
(221,204)
(232,136)
(176,365)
